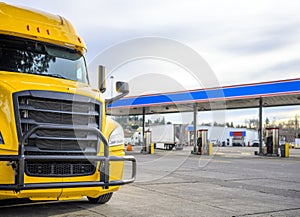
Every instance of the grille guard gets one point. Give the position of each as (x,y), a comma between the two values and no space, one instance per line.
(104,169)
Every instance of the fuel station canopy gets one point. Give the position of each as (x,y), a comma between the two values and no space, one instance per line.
(273,93)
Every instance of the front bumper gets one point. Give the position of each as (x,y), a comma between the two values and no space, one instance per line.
(104,181)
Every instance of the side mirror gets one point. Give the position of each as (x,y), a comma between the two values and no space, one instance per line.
(122,87)
(101,78)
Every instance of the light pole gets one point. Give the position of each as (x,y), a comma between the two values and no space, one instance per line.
(112,85)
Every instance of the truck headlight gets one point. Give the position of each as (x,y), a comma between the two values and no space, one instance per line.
(116,137)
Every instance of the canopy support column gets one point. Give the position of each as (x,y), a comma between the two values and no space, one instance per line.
(260,130)
(195,121)
(143,130)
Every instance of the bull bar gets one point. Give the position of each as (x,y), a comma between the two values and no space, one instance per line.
(104,160)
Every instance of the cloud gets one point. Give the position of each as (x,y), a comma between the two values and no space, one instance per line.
(287,66)
(98,39)
(261,39)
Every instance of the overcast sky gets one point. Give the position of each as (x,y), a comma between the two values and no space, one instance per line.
(242,41)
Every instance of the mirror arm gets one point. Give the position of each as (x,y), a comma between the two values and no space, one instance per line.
(111,100)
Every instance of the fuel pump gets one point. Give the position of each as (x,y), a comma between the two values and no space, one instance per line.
(272,141)
(205,147)
(147,141)
(202,144)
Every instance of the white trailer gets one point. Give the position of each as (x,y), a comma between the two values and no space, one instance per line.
(169,136)
(297,143)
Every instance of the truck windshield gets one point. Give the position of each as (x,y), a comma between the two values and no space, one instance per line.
(33,57)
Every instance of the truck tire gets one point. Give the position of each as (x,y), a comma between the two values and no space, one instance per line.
(101,199)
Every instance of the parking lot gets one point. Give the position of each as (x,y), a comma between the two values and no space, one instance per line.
(232,182)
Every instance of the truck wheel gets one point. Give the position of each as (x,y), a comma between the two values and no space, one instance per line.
(101,199)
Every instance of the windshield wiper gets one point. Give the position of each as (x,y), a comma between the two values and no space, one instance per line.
(54,75)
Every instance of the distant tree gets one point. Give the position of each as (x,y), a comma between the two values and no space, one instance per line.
(267,121)
(163,121)
(206,124)
(252,123)
(134,127)
(159,121)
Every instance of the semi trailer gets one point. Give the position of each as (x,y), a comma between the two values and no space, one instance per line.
(169,136)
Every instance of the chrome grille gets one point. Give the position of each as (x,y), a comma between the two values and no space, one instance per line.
(51,108)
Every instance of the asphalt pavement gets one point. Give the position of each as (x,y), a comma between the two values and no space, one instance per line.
(232,182)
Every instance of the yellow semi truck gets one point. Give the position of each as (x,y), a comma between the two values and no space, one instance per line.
(56,142)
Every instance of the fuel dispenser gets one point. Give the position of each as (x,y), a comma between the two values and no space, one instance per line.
(272,141)
(149,147)
(202,146)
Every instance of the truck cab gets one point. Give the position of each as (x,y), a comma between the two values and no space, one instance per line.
(56,142)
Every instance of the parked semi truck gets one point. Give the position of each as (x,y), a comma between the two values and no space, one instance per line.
(169,136)
(56,142)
